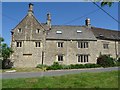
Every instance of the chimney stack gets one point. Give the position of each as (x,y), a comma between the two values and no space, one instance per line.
(87,22)
(30,11)
(49,20)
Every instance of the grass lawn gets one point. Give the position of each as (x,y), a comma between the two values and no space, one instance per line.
(82,80)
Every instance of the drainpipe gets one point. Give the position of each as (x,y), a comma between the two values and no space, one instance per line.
(115,50)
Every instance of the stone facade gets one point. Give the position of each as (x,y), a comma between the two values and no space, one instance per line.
(40,43)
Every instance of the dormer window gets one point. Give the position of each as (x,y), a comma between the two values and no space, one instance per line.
(19,30)
(59,32)
(79,31)
(37,30)
(101,35)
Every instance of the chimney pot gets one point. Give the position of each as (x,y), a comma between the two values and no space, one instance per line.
(87,22)
(30,11)
(49,20)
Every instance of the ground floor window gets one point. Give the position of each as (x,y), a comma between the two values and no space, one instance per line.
(83,58)
(60,57)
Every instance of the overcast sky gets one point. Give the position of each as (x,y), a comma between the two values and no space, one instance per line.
(61,13)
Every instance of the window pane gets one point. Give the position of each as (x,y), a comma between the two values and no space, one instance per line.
(81,58)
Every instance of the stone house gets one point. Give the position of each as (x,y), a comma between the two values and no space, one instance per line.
(42,43)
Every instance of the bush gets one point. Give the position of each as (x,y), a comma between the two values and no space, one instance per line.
(6,64)
(65,66)
(105,61)
(55,66)
(0,63)
(92,65)
(118,59)
(41,66)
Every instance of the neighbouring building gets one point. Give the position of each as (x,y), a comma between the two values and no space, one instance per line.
(36,43)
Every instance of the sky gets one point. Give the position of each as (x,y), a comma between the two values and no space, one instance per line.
(62,13)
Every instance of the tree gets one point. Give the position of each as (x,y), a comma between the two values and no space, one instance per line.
(106,3)
(5,53)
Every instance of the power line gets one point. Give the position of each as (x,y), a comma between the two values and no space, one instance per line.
(10,18)
(106,12)
(82,16)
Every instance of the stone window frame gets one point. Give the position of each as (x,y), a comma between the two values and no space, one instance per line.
(60,57)
(83,44)
(83,58)
(60,44)
(37,30)
(37,44)
(19,44)
(19,30)
(106,45)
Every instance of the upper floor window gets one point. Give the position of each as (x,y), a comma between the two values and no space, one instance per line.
(37,30)
(82,44)
(83,58)
(60,57)
(105,46)
(37,44)
(60,44)
(19,44)
(19,30)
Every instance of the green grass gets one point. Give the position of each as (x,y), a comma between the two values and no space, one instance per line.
(82,80)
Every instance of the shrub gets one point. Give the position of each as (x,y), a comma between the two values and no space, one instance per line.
(105,61)
(7,64)
(91,65)
(118,59)
(0,63)
(41,66)
(65,66)
(55,66)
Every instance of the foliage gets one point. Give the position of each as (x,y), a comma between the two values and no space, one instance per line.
(91,65)
(0,63)
(6,51)
(65,66)
(41,66)
(118,62)
(105,61)
(55,66)
(5,54)
(118,59)
(76,66)
(106,3)
(7,64)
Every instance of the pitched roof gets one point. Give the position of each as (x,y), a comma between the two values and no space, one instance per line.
(27,17)
(70,33)
(105,33)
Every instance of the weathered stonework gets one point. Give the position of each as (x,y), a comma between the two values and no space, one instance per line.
(28,55)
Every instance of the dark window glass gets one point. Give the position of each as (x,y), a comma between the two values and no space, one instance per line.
(60,57)
(37,44)
(82,58)
(60,44)
(19,44)
(82,44)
